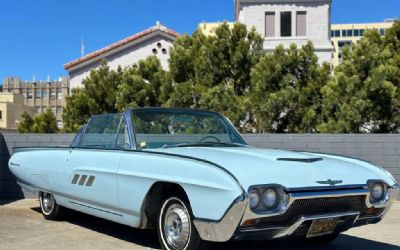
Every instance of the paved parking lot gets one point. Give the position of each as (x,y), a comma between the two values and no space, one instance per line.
(23,227)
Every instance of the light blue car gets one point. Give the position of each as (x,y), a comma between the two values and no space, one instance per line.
(189,174)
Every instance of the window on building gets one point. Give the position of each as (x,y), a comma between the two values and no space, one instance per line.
(155,52)
(30,94)
(24,93)
(44,94)
(164,51)
(38,94)
(270,24)
(59,124)
(337,33)
(53,110)
(332,33)
(301,23)
(286,24)
(382,32)
(59,109)
(356,32)
(59,93)
(1,115)
(349,32)
(159,45)
(344,33)
(52,94)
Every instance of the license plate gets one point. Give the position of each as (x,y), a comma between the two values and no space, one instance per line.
(322,227)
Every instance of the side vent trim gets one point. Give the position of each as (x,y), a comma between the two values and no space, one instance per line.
(82,180)
(90,181)
(75,179)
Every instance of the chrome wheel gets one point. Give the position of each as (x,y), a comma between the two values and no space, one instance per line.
(47,203)
(177,226)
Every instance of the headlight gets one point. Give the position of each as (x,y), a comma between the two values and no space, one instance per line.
(377,191)
(254,198)
(270,198)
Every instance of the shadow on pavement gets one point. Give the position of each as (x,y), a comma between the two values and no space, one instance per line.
(148,238)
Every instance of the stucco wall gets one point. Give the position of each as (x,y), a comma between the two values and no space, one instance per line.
(383,150)
(126,57)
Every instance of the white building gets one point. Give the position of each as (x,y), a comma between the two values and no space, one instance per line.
(289,21)
(156,40)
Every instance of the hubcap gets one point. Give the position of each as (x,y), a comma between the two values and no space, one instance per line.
(177,226)
(47,202)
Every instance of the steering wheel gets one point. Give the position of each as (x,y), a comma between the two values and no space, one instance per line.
(209,137)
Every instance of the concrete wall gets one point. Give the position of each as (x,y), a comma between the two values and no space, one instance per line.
(383,150)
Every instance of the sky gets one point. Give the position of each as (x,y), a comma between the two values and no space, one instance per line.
(37,37)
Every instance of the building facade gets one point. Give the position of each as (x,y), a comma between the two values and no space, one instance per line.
(156,40)
(347,34)
(290,21)
(40,95)
(11,107)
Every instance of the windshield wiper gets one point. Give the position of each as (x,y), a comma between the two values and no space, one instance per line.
(204,144)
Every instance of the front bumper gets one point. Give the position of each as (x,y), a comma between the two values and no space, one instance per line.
(231,226)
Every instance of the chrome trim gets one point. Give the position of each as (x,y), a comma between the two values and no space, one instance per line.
(291,229)
(224,229)
(250,214)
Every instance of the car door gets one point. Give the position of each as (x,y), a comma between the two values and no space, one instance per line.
(93,165)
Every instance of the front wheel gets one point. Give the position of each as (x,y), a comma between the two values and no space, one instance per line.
(175,227)
(50,209)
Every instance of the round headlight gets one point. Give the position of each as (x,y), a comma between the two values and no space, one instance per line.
(254,198)
(270,198)
(377,192)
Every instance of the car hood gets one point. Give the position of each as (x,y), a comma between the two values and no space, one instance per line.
(253,166)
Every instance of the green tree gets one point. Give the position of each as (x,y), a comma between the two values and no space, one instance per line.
(286,86)
(26,123)
(364,96)
(44,122)
(143,85)
(110,91)
(213,72)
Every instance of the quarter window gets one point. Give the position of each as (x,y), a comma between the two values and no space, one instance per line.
(286,24)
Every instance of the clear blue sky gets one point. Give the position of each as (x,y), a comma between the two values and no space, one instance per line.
(38,36)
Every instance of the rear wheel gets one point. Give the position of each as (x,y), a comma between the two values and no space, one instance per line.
(175,227)
(50,209)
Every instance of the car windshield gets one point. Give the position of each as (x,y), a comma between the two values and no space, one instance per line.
(183,128)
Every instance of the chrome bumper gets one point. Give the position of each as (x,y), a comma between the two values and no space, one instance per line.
(225,229)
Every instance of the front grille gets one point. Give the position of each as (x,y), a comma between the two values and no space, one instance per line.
(316,206)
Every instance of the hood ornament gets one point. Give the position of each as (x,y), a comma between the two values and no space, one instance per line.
(330,182)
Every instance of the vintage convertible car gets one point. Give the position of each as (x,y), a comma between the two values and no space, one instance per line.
(189,174)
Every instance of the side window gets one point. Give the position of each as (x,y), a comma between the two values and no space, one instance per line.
(123,141)
(101,132)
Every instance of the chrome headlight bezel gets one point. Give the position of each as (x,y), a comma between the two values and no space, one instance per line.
(377,200)
(281,200)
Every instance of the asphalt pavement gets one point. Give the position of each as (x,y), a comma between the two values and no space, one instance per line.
(23,227)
